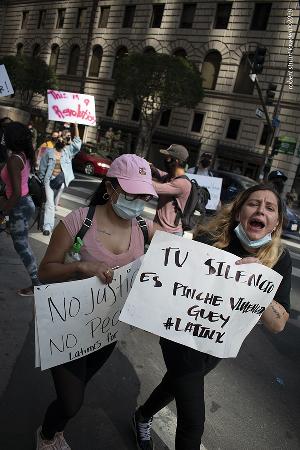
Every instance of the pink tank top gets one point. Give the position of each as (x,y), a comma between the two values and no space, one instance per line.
(93,250)
(24,177)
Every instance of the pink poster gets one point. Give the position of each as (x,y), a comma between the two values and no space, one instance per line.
(71,107)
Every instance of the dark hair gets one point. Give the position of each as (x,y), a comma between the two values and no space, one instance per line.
(97,197)
(5,119)
(18,139)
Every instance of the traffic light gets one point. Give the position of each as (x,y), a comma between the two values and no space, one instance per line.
(258,60)
(270,94)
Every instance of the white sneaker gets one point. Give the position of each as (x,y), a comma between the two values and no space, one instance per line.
(62,442)
(43,444)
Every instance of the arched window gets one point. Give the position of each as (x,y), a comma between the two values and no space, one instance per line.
(243,83)
(96,61)
(149,51)
(54,57)
(120,53)
(210,69)
(180,52)
(73,60)
(36,51)
(20,49)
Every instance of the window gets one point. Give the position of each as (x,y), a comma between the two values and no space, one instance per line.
(264,135)
(54,57)
(25,17)
(243,83)
(187,16)
(103,21)
(180,53)
(36,51)
(233,129)
(20,49)
(210,69)
(73,60)
(42,18)
(222,15)
(157,15)
(129,16)
(197,122)
(136,114)
(261,16)
(121,52)
(81,17)
(96,61)
(165,118)
(110,108)
(149,51)
(60,18)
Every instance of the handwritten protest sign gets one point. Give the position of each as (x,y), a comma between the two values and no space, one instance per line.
(213,184)
(194,294)
(5,84)
(69,107)
(79,317)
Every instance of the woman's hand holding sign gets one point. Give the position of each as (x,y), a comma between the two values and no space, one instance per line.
(95,269)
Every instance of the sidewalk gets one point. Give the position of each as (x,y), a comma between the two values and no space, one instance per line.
(105,419)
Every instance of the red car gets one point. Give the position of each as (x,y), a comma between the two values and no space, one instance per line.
(91,162)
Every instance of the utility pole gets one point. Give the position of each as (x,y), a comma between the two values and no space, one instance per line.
(267,161)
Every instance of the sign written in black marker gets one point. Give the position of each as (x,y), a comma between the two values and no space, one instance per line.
(195,294)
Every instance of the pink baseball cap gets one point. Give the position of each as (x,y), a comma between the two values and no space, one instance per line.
(133,174)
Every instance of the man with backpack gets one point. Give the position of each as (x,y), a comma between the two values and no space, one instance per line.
(173,189)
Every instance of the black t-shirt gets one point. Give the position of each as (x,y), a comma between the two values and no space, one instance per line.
(283,267)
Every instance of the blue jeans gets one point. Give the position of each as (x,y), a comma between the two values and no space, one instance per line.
(19,218)
(52,199)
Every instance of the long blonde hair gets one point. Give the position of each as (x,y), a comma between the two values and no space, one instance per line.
(220,227)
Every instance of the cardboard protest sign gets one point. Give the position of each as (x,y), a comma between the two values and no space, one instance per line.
(79,317)
(213,184)
(69,107)
(5,84)
(194,294)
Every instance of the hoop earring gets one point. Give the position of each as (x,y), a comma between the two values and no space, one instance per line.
(105,196)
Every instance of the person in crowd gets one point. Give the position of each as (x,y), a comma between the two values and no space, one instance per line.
(3,148)
(18,204)
(172,187)
(250,228)
(114,239)
(56,172)
(203,167)
(278,179)
(292,198)
(33,132)
(50,143)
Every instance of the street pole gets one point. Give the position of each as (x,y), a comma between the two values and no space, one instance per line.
(267,162)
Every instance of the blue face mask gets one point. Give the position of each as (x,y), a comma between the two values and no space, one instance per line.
(127,209)
(243,238)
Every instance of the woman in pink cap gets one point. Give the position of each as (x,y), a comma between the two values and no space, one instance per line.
(113,237)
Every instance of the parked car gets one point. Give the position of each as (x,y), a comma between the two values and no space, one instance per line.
(90,161)
(233,184)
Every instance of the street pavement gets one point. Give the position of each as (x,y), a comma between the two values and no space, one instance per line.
(252,402)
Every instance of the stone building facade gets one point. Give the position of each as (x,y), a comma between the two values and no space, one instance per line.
(82,39)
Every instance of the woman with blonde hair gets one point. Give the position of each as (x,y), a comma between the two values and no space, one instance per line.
(250,228)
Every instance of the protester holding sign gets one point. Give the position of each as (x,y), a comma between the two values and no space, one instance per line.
(114,238)
(56,172)
(18,203)
(249,228)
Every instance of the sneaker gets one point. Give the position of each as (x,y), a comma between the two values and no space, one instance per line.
(43,444)
(46,233)
(142,430)
(62,442)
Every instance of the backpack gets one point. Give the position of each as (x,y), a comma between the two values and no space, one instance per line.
(197,201)
(36,190)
